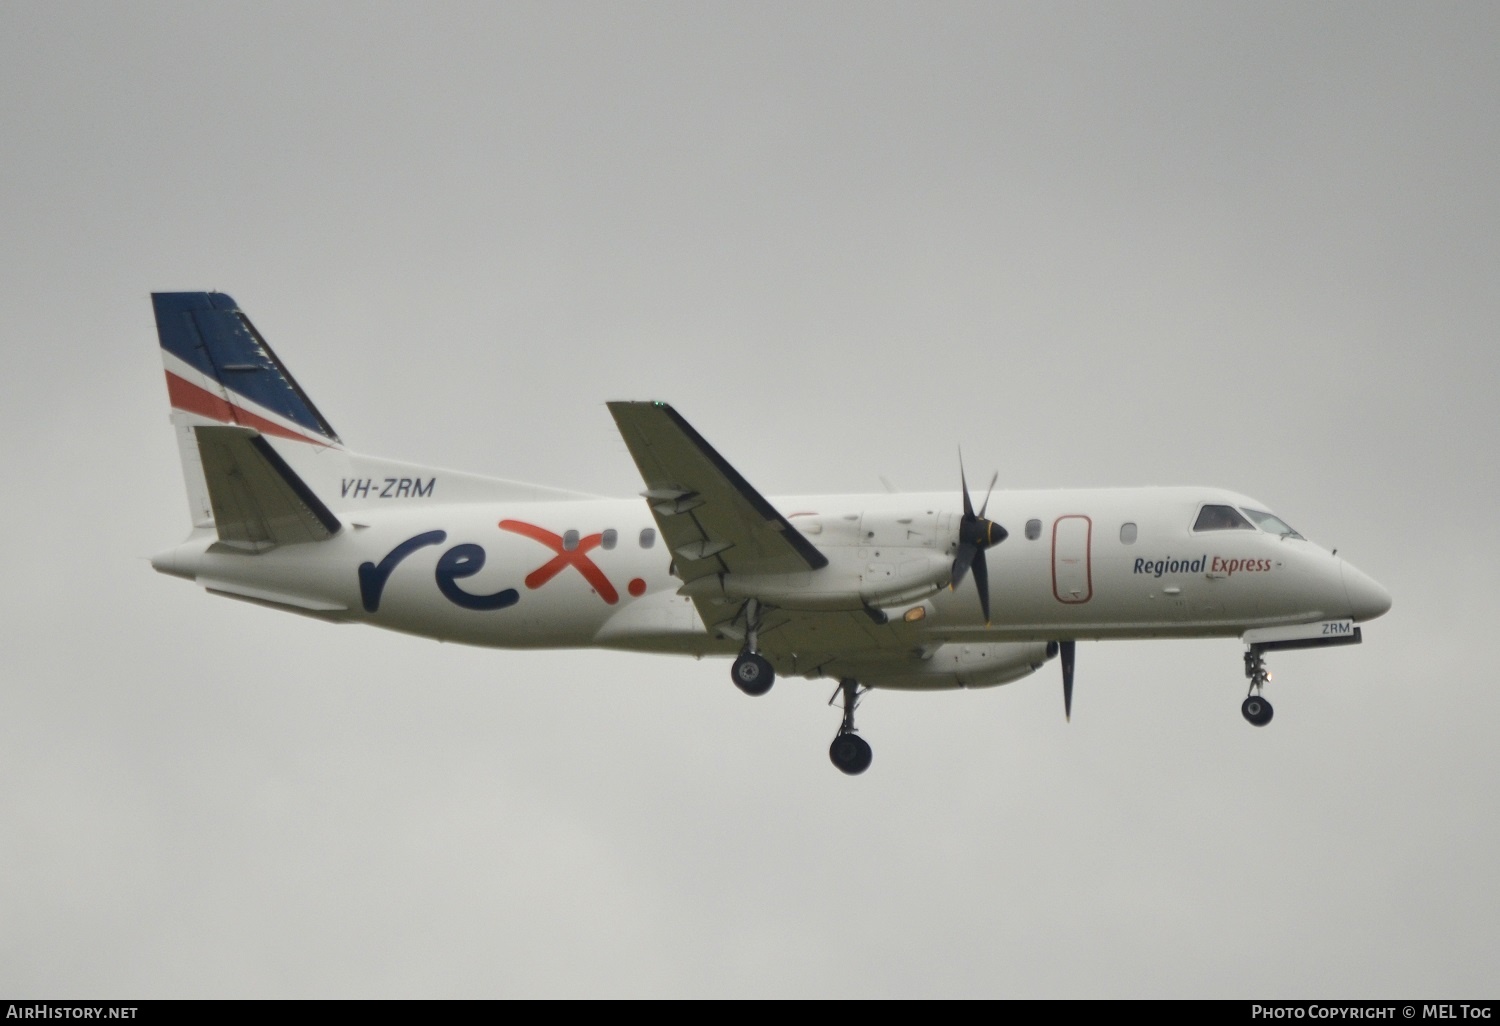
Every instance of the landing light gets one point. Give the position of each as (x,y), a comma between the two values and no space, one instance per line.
(915,613)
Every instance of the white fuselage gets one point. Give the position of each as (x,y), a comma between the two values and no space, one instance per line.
(502,573)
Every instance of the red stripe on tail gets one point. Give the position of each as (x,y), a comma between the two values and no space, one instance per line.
(191,398)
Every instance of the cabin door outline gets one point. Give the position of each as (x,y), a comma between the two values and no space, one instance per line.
(1072,569)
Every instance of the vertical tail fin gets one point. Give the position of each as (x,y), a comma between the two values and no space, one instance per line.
(221,371)
(222,377)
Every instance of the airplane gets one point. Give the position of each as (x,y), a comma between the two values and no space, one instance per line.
(871,591)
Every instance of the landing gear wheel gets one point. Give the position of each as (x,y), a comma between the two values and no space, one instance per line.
(1257,710)
(752,674)
(851,754)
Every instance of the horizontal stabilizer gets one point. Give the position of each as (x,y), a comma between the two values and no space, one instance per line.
(258,501)
(275,599)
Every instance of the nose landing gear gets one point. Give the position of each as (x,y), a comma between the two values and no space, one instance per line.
(1255,708)
(849,752)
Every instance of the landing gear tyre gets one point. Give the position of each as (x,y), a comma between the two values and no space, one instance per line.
(1257,710)
(851,754)
(752,674)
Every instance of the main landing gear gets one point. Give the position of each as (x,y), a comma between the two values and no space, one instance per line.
(849,752)
(752,672)
(1255,708)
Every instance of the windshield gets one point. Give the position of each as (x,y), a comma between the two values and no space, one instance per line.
(1220,518)
(1267,522)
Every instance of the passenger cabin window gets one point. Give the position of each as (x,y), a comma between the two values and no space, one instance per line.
(1127,534)
(570,540)
(607,539)
(1273,524)
(648,537)
(1033,530)
(1221,518)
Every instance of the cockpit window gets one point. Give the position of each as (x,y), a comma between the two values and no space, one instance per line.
(1221,518)
(1267,522)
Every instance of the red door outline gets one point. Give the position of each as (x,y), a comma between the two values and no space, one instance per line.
(1070,558)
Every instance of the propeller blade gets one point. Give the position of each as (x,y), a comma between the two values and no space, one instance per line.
(961,563)
(975,534)
(982,582)
(1065,648)
(987,492)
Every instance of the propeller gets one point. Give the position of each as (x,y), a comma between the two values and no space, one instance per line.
(975,534)
(1065,649)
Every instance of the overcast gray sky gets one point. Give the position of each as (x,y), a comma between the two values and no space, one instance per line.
(1251,245)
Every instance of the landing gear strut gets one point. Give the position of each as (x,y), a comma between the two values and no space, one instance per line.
(849,752)
(1255,708)
(752,672)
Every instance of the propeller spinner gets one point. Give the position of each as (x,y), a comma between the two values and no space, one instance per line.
(975,534)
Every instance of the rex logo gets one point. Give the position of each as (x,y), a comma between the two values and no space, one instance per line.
(467,559)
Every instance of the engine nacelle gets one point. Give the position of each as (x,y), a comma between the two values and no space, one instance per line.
(959,665)
(848,583)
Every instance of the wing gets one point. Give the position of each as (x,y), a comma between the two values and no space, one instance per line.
(713,521)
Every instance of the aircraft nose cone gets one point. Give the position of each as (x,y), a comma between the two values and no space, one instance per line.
(1367,599)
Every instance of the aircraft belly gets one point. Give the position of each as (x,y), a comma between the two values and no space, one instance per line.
(515,626)
(663,622)
(946,666)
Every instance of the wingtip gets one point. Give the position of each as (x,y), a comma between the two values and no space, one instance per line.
(617,403)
